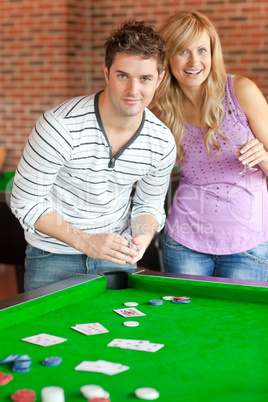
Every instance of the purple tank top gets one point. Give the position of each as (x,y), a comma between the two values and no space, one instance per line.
(215,209)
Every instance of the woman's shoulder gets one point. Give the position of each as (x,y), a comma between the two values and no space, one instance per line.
(245,91)
(243,84)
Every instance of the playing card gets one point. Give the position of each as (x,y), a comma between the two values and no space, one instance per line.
(125,343)
(90,328)
(135,344)
(128,237)
(129,312)
(44,340)
(101,366)
(88,366)
(110,368)
(150,347)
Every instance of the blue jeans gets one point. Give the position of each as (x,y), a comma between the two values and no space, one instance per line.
(43,268)
(251,264)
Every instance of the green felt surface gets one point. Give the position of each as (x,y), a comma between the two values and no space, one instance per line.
(216,347)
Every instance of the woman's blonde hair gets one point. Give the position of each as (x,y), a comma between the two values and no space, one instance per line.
(179,32)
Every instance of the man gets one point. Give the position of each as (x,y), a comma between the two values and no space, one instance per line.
(72,188)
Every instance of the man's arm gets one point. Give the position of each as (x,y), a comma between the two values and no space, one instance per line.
(50,147)
(143,230)
(105,246)
(148,213)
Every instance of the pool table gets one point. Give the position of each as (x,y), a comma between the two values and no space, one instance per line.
(215,347)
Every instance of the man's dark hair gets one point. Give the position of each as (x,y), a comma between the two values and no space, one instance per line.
(135,38)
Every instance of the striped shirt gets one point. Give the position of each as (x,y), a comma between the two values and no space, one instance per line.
(67,167)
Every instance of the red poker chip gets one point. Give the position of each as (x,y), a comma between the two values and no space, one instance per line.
(99,400)
(24,395)
(5,378)
(181,298)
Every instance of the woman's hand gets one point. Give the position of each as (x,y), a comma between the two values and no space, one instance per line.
(253,153)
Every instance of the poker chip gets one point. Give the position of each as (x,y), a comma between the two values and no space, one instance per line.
(22,364)
(146,393)
(52,361)
(131,304)
(8,359)
(24,395)
(94,391)
(5,378)
(181,301)
(181,298)
(156,302)
(21,369)
(52,394)
(22,358)
(168,297)
(99,400)
(131,323)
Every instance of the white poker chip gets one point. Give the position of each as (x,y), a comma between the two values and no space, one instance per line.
(168,297)
(148,394)
(52,394)
(131,304)
(94,391)
(131,323)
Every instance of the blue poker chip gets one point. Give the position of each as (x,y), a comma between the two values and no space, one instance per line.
(21,369)
(181,301)
(156,302)
(22,358)
(8,359)
(52,361)
(25,364)
(22,364)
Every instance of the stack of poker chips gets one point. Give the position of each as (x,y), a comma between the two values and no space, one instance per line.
(95,393)
(24,395)
(156,302)
(178,299)
(5,378)
(52,394)
(147,393)
(52,361)
(22,364)
(181,300)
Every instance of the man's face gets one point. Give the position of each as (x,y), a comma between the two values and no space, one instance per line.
(131,82)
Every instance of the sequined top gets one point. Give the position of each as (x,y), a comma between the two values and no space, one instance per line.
(216,210)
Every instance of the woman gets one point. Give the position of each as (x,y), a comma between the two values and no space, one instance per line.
(218,222)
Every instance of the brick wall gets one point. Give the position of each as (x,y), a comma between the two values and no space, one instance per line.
(43,61)
(51,50)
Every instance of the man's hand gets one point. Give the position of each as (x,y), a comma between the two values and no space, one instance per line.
(143,230)
(103,246)
(106,246)
(141,242)
(110,247)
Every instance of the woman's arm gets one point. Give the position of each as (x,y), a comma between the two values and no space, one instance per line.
(255,108)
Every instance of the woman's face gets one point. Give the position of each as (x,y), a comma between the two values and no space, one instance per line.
(192,66)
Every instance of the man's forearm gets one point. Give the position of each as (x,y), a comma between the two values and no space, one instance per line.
(144,225)
(52,225)
(143,230)
(104,246)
